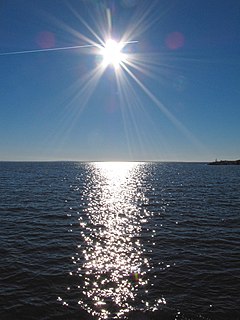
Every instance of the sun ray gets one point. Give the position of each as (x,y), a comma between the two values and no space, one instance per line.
(141,21)
(164,110)
(109,21)
(71,113)
(121,95)
(95,42)
(103,22)
(131,105)
(87,84)
(127,104)
(99,39)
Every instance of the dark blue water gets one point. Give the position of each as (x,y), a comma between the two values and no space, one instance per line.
(119,241)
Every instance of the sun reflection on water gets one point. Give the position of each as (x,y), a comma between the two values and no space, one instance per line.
(114,268)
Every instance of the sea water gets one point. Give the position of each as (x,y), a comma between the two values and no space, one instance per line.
(119,240)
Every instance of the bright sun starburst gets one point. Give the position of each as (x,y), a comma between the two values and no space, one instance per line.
(112,53)
(131,66)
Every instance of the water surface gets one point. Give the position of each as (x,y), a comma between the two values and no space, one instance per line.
(119,241)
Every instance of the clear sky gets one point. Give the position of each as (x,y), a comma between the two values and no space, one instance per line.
(174,97)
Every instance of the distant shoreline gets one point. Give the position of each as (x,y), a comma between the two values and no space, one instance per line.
(225,162)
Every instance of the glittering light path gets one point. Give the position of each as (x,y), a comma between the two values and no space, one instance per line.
(114,267)
(110,275)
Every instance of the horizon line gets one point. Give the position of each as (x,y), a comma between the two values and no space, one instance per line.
(84,161)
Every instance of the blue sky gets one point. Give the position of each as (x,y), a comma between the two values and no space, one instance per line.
(177,101)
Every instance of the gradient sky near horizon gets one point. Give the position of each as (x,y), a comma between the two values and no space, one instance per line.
(179,99)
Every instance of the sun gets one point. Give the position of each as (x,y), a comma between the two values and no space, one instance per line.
(112,53)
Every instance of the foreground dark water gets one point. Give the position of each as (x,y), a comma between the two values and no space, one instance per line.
(119,241)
